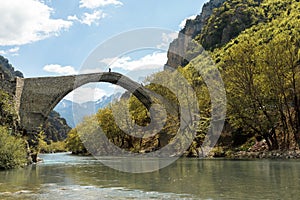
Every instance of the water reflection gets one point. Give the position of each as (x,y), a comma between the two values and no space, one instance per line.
(70,177)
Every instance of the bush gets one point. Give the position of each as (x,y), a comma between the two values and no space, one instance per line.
(8,116)
(74,143)
(12,150)
(53,147)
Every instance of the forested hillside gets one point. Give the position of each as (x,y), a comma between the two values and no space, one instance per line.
(255,45)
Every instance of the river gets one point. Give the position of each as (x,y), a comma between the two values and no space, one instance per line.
(64,176)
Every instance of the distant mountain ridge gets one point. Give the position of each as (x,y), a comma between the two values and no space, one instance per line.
(68,109)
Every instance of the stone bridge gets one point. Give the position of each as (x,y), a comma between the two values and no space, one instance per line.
(36,97)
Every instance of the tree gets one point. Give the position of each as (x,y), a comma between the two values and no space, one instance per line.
(248,95)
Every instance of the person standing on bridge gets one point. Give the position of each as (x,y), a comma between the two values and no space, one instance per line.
(109,69)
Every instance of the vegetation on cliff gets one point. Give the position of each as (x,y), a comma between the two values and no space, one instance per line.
(260,68)
(261,71)
(12,147)
(256,47)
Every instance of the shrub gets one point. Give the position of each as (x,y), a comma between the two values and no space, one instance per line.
(53,147)
(12,150)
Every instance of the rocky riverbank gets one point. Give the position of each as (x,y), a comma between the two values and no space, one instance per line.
(265,155)
(257,151)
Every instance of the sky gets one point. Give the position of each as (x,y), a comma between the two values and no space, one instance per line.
(58,37)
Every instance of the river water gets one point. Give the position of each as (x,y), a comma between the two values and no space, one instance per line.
(64,176)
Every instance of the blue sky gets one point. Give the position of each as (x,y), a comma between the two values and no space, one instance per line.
(55,37)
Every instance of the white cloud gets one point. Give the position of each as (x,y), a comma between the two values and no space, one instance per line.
(152,61)
(167,38)
(73,18)
(89,18)
(27,21)
(91,70)
(61,70)
(84,94)
(92,4)
(109,61)
(182,24)
(13,51)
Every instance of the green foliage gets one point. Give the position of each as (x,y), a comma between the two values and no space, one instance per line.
(8,116)
(256,47)
(247,145)
(12,150)
(228,21)
(74,143)
(53,147)
(261,71)
(50,146)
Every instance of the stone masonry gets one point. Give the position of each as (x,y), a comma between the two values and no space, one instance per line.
(36,97)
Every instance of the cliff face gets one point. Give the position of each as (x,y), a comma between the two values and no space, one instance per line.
(177,53)
(56,127)
(7,71)
(219,22)
(228,21)
(7,76)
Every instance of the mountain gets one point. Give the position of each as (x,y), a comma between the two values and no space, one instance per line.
(7,76)
(255,44)
(64,108)
(56,127)
(7,70)
(178,53)
(219,22)
(75,112)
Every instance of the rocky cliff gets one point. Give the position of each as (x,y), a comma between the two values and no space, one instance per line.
(56,127)
(228,21)
(219,22)
(177,53)
(7,76)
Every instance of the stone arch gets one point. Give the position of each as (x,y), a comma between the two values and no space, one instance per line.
(36,97)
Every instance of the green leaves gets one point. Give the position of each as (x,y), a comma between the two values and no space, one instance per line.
(12,150)
(8,116)
(259,60)
(262,76)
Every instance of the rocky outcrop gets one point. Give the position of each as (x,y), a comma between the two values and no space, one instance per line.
(56,128)
(178,51)
(219,22)
(7,76)
(7,70)
(228,21)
